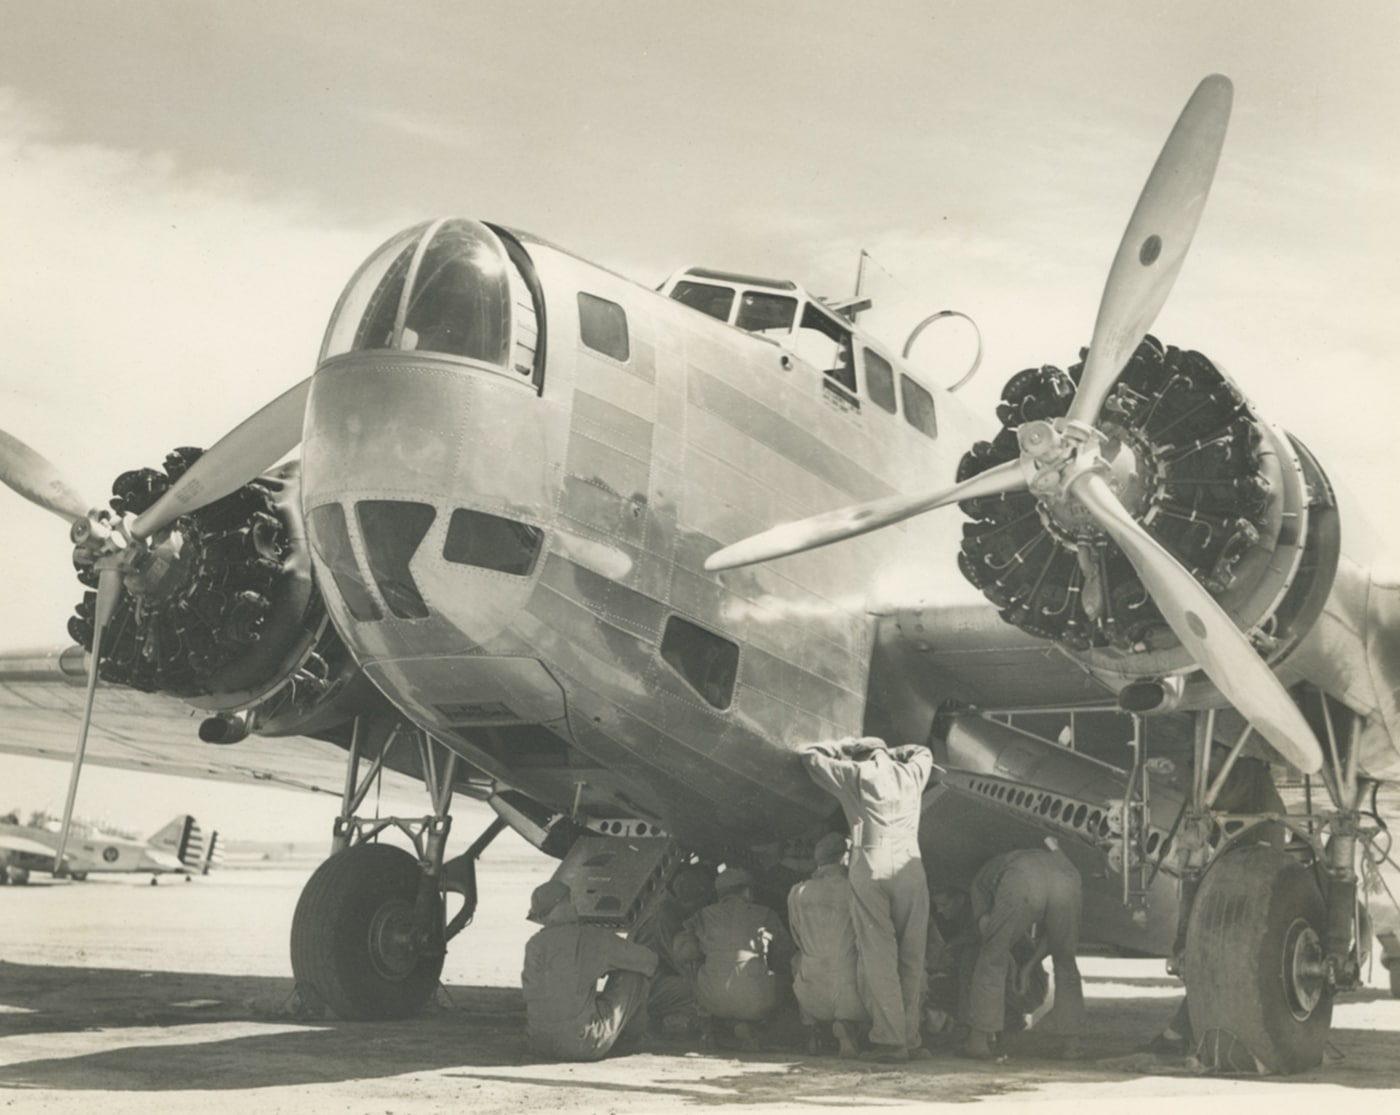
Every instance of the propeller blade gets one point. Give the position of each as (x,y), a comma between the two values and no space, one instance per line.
(861,518)
(247,450)
(1155,242)
(38,480)
(1206,630)
(109,594)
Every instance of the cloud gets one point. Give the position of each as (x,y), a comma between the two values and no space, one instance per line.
(146,307)
(421,128)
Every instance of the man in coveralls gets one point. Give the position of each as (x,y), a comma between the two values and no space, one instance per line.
(1011,893)
(739,953)
(824,972)
(566,1017)
(671,999)
(880,790)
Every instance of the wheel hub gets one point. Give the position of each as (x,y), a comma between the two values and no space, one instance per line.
(393,943)
(1304,969)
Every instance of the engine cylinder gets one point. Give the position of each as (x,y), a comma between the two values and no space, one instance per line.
(1190,459)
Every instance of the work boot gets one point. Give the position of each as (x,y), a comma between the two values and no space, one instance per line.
(919,1053)
(978,1046)
(846,1037)
(744,1035)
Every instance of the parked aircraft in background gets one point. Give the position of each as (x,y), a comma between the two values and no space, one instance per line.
(528,554)
(177,848)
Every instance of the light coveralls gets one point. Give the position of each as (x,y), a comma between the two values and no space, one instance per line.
(740,946)
(1010,893)
(824,971)
(881,790)
(566,1017)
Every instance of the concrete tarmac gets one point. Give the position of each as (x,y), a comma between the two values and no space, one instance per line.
(116,996)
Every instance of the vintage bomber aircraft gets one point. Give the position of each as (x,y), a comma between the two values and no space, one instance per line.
(527,554)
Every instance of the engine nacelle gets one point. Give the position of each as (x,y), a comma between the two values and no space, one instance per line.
(223,611)
(1240,504)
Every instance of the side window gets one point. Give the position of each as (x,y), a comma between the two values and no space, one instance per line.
(713,300)
(602,326)
(708,663)
(766,313)
(879,380)
(491,542)
(918,407)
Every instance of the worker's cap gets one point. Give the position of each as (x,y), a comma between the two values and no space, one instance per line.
(692,884)
(546,896)
(733,879)
(830,848)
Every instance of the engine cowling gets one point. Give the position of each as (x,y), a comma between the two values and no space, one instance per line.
(223,611)
(1240,504)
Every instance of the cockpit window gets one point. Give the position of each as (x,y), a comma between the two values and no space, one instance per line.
(705,297)
(766,313)
(826,345)
(919,410)
(879,380)
(445,287)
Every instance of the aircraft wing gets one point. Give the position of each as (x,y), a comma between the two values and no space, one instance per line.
(12,843)
(41,706)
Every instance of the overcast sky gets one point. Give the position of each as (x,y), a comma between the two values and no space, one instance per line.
(184,188)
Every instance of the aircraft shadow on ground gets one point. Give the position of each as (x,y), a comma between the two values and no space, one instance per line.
(478,1033)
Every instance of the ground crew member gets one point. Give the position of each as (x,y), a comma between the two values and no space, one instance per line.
(824,970)
(1011,893)
(880,790)
(671,998)
(739,953)
(952,957)
(566,1017)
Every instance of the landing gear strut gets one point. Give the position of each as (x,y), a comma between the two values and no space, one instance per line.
(368,936)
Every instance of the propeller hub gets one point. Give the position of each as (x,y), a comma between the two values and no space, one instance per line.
(1113,453)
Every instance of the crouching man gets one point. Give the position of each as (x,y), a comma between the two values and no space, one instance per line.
(566,1017)
(739,953)
(824,972)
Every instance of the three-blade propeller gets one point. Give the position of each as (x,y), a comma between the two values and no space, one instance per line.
(238,457)
(1062,462)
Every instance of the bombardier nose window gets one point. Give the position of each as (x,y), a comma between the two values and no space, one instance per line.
(448,287)
(460,303)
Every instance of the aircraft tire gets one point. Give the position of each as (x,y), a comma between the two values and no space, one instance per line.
(351,945)
(1255,983)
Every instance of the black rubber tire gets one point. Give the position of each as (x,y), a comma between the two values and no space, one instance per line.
(335,955)
(1253,908)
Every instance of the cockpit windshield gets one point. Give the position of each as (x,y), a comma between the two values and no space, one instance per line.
(442,287)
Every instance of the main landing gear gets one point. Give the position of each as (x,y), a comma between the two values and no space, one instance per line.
(1271,926)
(370,934)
